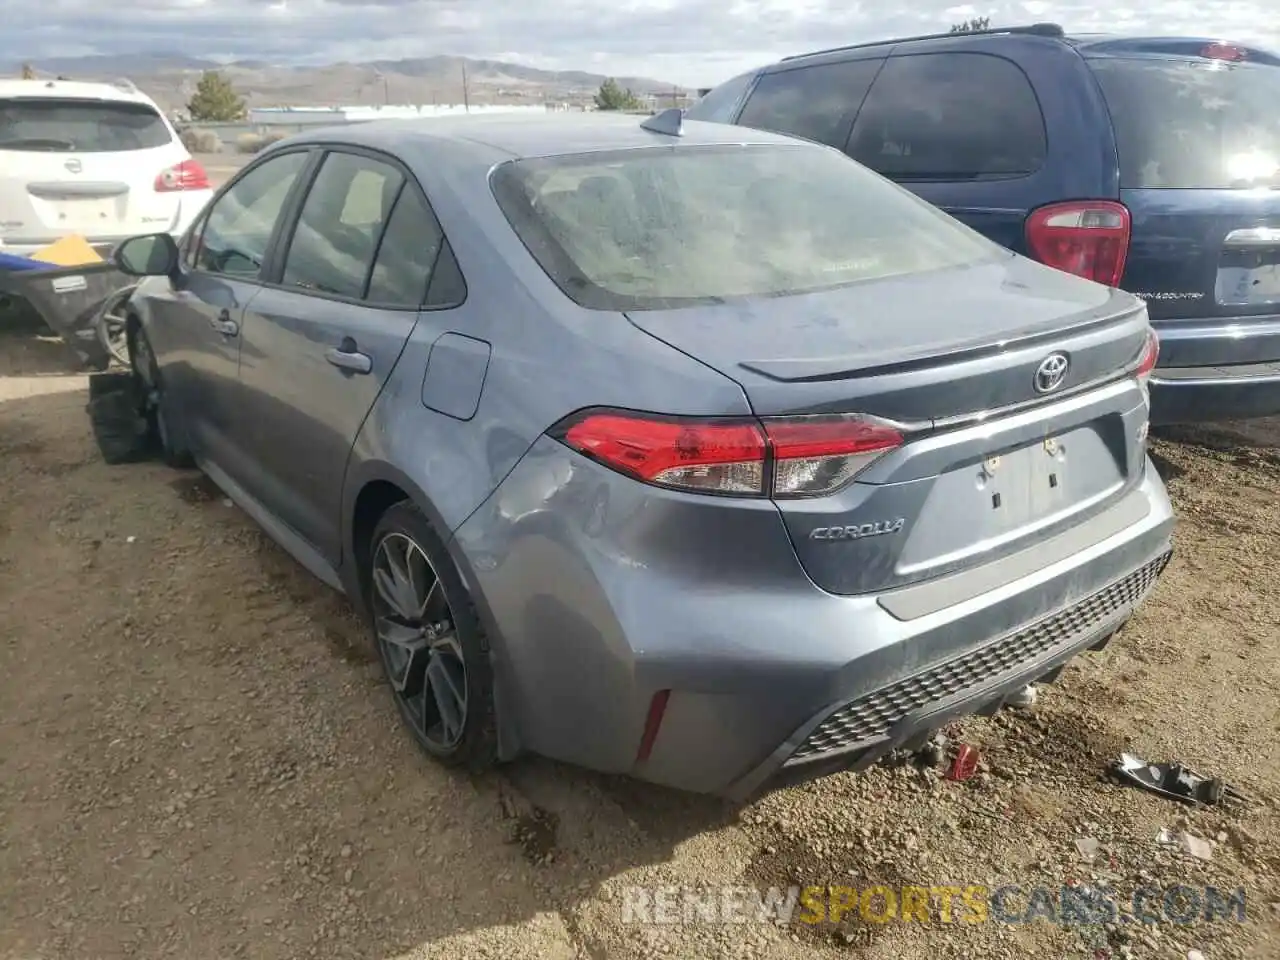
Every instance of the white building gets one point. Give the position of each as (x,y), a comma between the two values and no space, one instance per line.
(323,116)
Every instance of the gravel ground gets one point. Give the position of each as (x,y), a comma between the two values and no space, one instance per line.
(198,759)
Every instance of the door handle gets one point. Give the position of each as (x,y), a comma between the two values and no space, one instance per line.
(347,356)
(224,324)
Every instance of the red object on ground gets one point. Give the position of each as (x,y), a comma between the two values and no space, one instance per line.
(965,765)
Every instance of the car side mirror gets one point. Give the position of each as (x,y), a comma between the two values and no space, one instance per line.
(151,255)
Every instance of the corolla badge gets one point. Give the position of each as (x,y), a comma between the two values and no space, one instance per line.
(858,530)
(1051,372)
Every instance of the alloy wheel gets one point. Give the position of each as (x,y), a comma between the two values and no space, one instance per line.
(113,326)
(417,636)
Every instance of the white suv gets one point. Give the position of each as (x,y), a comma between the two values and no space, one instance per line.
(95,159)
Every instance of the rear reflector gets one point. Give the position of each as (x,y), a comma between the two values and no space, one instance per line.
(187,175)
(779,457)
(652,724)
(1148,357)
(1224,51)
(1089,238)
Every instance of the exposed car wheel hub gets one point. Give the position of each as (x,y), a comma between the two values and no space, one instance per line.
(419,642)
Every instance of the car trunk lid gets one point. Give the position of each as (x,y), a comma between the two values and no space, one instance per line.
(991,461)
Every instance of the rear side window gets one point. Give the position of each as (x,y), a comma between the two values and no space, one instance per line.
(653,229)
(406,254)
(950,116)
(816,103)
(337,234)
(718,105)
(1183,124)
(52,125)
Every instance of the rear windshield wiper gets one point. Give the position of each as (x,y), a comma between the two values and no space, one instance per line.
(37,143)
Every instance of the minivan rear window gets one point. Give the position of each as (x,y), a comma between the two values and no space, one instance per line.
(52,125)
(1187,124)
(650,229)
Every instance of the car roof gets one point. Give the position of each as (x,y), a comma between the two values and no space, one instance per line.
(1089,44)
(493,138)
(122,91)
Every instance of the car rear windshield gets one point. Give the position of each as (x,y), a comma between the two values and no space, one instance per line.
(1185,124)
(654,228)
(79,126)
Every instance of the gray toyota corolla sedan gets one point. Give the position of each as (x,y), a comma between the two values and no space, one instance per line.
(695,453)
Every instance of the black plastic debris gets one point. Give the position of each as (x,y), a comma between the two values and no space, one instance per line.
(1172,780)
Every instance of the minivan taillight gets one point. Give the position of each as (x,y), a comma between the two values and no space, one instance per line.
(1089,238)
(187,175)
(779,457)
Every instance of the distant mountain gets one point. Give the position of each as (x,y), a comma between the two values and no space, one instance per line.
(171,77)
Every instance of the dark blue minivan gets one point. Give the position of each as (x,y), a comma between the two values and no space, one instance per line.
(1152,164)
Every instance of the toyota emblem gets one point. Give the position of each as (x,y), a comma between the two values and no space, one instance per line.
(73,165)
(1051,372)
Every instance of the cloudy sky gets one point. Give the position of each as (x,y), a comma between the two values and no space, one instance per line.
(691,42)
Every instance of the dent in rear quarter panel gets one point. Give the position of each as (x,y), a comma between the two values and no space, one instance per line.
(610,590)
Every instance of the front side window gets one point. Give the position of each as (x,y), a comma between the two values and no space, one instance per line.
(67,125)
(950,116)
(816,103)
(240,223)
(336,238)
(649,229)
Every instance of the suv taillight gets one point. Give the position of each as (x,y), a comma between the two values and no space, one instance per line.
(778,457)
(1089,238)
(187,175)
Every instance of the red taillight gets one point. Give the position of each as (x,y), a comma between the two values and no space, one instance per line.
(187,175)
(1148,357)
(1087,238)
(710,456)
(1224,51)
(780,457)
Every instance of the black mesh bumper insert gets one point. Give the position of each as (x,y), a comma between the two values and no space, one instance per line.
(875,714)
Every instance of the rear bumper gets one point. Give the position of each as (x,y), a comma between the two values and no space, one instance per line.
(1214,370)
(609,597)
(858,733)
(1211,394)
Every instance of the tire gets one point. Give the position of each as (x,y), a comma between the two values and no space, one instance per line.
(121,432)
(150,392)
(473,744)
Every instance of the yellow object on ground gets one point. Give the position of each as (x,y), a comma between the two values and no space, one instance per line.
(68,252)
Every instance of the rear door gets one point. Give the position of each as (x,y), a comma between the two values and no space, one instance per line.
(963,130)
(323,339)
(1199,149)
(84,166)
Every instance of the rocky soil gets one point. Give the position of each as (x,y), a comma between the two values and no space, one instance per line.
(198,759)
